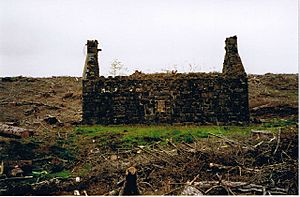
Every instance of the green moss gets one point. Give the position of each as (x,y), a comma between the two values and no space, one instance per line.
(62,174)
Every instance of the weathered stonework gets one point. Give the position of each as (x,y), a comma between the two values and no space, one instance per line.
(167,98)
(91,66)
(232,62)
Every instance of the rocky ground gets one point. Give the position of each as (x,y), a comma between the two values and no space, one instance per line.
(212,165)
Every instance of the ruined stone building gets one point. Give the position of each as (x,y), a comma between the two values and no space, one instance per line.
(166,98)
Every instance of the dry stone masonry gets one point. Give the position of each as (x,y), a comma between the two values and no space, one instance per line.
(166,98)
(91,66)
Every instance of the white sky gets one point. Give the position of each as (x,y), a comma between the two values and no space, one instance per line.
(47,37)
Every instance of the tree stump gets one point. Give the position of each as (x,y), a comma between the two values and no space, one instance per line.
(130,185)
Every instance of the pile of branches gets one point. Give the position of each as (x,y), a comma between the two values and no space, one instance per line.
(264,164)
(261,165)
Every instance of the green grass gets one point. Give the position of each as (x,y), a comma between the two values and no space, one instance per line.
(85,170)
(275,123)
(62,174)
(143,135)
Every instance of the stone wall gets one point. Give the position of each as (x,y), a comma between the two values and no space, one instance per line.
(170,98)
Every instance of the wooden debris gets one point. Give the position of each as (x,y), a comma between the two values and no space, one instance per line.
(261,134)
(130,185)
(112,193)
(258,144)
(160,158)
(77,179)
(76,193)
(191,191)
(16,172)
(46,182)
(16,178)
(172,144)
(113,157)
(17,167)
(243,187)
(174,190)
(85,193)
(278,142)
(231,142)
(13,131)
(222,167)
(1,168)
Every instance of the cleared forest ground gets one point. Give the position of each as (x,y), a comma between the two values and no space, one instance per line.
(216,159)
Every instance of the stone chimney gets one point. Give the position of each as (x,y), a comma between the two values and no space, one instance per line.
(91,66)
(232,65)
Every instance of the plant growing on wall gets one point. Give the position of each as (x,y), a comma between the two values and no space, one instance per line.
(192,67)
(117,68)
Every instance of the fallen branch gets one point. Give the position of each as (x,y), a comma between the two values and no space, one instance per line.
(146,183)
(13,131)
(160,158)
(278,142)
(16,178)
(260,133)
(258,144)
(46,182)
(194,179)
(188,145)
(172,144)
(260,107)
(219,166)
(240,186)
(170,192)
(166,152)
(49,158)
(1,167)
(231,142)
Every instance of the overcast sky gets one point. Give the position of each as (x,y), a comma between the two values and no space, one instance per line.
(47,37)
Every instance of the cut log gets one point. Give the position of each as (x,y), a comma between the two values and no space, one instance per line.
(13,131)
